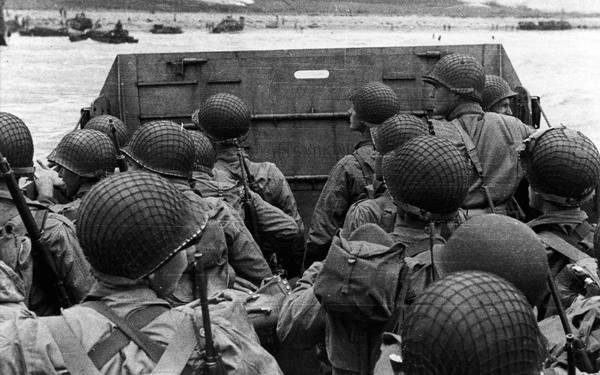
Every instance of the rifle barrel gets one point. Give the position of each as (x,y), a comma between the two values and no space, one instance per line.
(211,354)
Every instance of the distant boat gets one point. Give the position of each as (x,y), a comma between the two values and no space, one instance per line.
(544,25)
(80,22)
(229,25)
(44,31)
(102,36)
(273,25)
(158,28)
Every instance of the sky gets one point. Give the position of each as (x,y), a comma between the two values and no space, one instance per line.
(584,6)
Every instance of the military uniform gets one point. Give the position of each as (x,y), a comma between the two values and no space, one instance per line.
(236,252)
(274,226)
(131,226)
(69,210)
(490,140)
(380,211)
(346,183)
(73,269)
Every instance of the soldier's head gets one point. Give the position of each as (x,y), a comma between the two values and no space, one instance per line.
(496,95)
(162,147)
(223,117)
(562,166)
(84,156)
(134,225)
(16,144)
(427,177)
(455,78)
(205,152)
(471,323)
(105,124)
(498,244)
(372,104)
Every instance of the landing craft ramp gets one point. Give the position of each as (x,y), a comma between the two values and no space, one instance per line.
(298,98)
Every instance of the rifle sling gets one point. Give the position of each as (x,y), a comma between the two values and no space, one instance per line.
(127,331)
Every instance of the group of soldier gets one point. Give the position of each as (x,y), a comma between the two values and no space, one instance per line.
(169,251)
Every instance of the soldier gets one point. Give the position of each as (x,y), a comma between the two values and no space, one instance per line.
(563,168)
(471,323)
(225,119)
(489,139)
(135,228)
(428,179)
(105,124)
(58,233)
(84,156)
(273,226)
(164,148)
(381,210)
(372,104)
(496,95)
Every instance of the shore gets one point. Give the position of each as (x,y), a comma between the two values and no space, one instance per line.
(143,21)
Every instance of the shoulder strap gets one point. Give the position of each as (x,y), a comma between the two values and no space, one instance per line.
(76,360)
(470,146)
(366,169)
(152,349)
(180,349)
(104,350)
(563,247)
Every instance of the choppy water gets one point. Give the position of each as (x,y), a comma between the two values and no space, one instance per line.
(46,81)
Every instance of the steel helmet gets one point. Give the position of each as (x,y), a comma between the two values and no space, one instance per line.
(16,143)
(104,123)
(206,155)
(562,165)
(375,102)
(223,117)
(163,147)
(461,74)
(428,173)
(131,223)
(499,244)
(87,153)
(496,89)
(396,131)
(471,323)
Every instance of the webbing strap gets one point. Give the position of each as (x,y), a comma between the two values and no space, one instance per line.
(104,350)
(365,168)
(75,358)
(152,349)
(180,349)
(563,247)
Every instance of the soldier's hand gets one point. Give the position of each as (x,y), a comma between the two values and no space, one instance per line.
(46,180)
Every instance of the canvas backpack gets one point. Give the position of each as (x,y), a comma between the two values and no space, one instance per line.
(361,279)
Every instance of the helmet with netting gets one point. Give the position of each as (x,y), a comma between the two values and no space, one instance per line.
(16,143)
(87,153)
(105,123)
(499,244)
(562,165)
(471,323)
(223,117)
(375,102)
(461,74)
(396,131)
(429,173)
(205,152)
(131,223)
(496,89)
(163,147)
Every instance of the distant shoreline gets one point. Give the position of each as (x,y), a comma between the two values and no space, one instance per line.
(143,21)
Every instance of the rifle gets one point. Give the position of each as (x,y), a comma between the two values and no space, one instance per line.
(34,232)
(121,163)
(213,365)
(250,215)
(574,346)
